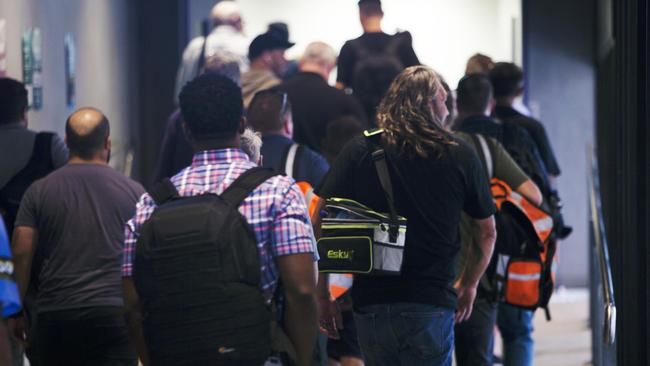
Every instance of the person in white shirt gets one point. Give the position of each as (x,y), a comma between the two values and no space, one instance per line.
(227,37)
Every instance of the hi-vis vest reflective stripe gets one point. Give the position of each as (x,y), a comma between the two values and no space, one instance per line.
(542,222)
(339,284)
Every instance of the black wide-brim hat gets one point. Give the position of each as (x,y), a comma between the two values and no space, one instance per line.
(271,40)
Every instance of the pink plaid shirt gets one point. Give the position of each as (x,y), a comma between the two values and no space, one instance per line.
(275,210)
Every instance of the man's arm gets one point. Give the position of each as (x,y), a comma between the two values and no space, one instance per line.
(133,314)
(530,190)
(5,350)
(329,315)
(23,246)
(478,258)
(298,273)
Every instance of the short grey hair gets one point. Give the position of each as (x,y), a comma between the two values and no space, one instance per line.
(319,53)
(225,12)
(224,64)
(251,143)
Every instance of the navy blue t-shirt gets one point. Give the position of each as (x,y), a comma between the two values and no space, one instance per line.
(310,166)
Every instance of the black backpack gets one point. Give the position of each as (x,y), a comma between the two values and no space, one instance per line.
(197,269)
(521,146)
(39,165)
(517,248)
(375,70)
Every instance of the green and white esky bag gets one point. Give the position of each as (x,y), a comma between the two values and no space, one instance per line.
(357,239)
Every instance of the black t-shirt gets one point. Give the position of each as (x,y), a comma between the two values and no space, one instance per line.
(314,104)
(79,212)
(377,43)
(536,131)
(443,186)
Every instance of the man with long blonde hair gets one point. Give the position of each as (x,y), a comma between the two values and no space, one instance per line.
(408,319)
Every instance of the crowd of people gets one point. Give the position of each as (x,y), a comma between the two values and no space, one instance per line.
(217,263)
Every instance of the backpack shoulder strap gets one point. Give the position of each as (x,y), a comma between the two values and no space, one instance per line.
(43,145)
(289,157)
(484,153)
(201,61)
(245,184)
(163,192)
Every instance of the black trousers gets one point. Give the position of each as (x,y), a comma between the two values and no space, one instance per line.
(88,336)
(475,337)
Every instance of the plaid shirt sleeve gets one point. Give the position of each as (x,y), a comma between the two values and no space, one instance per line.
(292,230)
(143,211)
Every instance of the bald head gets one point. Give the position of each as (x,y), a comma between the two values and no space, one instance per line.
(87,131)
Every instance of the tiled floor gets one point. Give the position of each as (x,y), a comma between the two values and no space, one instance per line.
(566,340)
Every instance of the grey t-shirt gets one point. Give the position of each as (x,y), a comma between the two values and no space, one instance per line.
(79,212)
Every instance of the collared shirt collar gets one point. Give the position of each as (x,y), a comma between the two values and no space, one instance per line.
(220,156)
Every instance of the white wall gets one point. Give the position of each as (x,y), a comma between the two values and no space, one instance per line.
(105,61)
(445,32)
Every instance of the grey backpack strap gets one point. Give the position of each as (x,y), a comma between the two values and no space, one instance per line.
(290,160)
(484,153)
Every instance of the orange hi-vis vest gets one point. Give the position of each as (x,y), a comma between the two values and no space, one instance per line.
(339,284)
(311,199)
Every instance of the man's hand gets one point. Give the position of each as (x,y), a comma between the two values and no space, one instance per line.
(17,329)
(466,296)
(329,318)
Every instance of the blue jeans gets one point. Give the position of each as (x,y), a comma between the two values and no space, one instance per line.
(405,334)
(516,327)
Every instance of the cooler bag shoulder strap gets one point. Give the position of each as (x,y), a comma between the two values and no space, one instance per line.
(164,191)
(245,184)
(379,158)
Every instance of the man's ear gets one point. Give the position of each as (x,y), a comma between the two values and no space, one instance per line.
(24,119)
(288,125)
(491,104)
(242,125)
(108,143)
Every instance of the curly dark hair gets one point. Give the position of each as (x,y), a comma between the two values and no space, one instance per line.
(406,117)
(13,100)
(211,106)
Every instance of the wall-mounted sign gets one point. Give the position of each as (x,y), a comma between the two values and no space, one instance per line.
(33,66)
(70,71)
(3,47)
